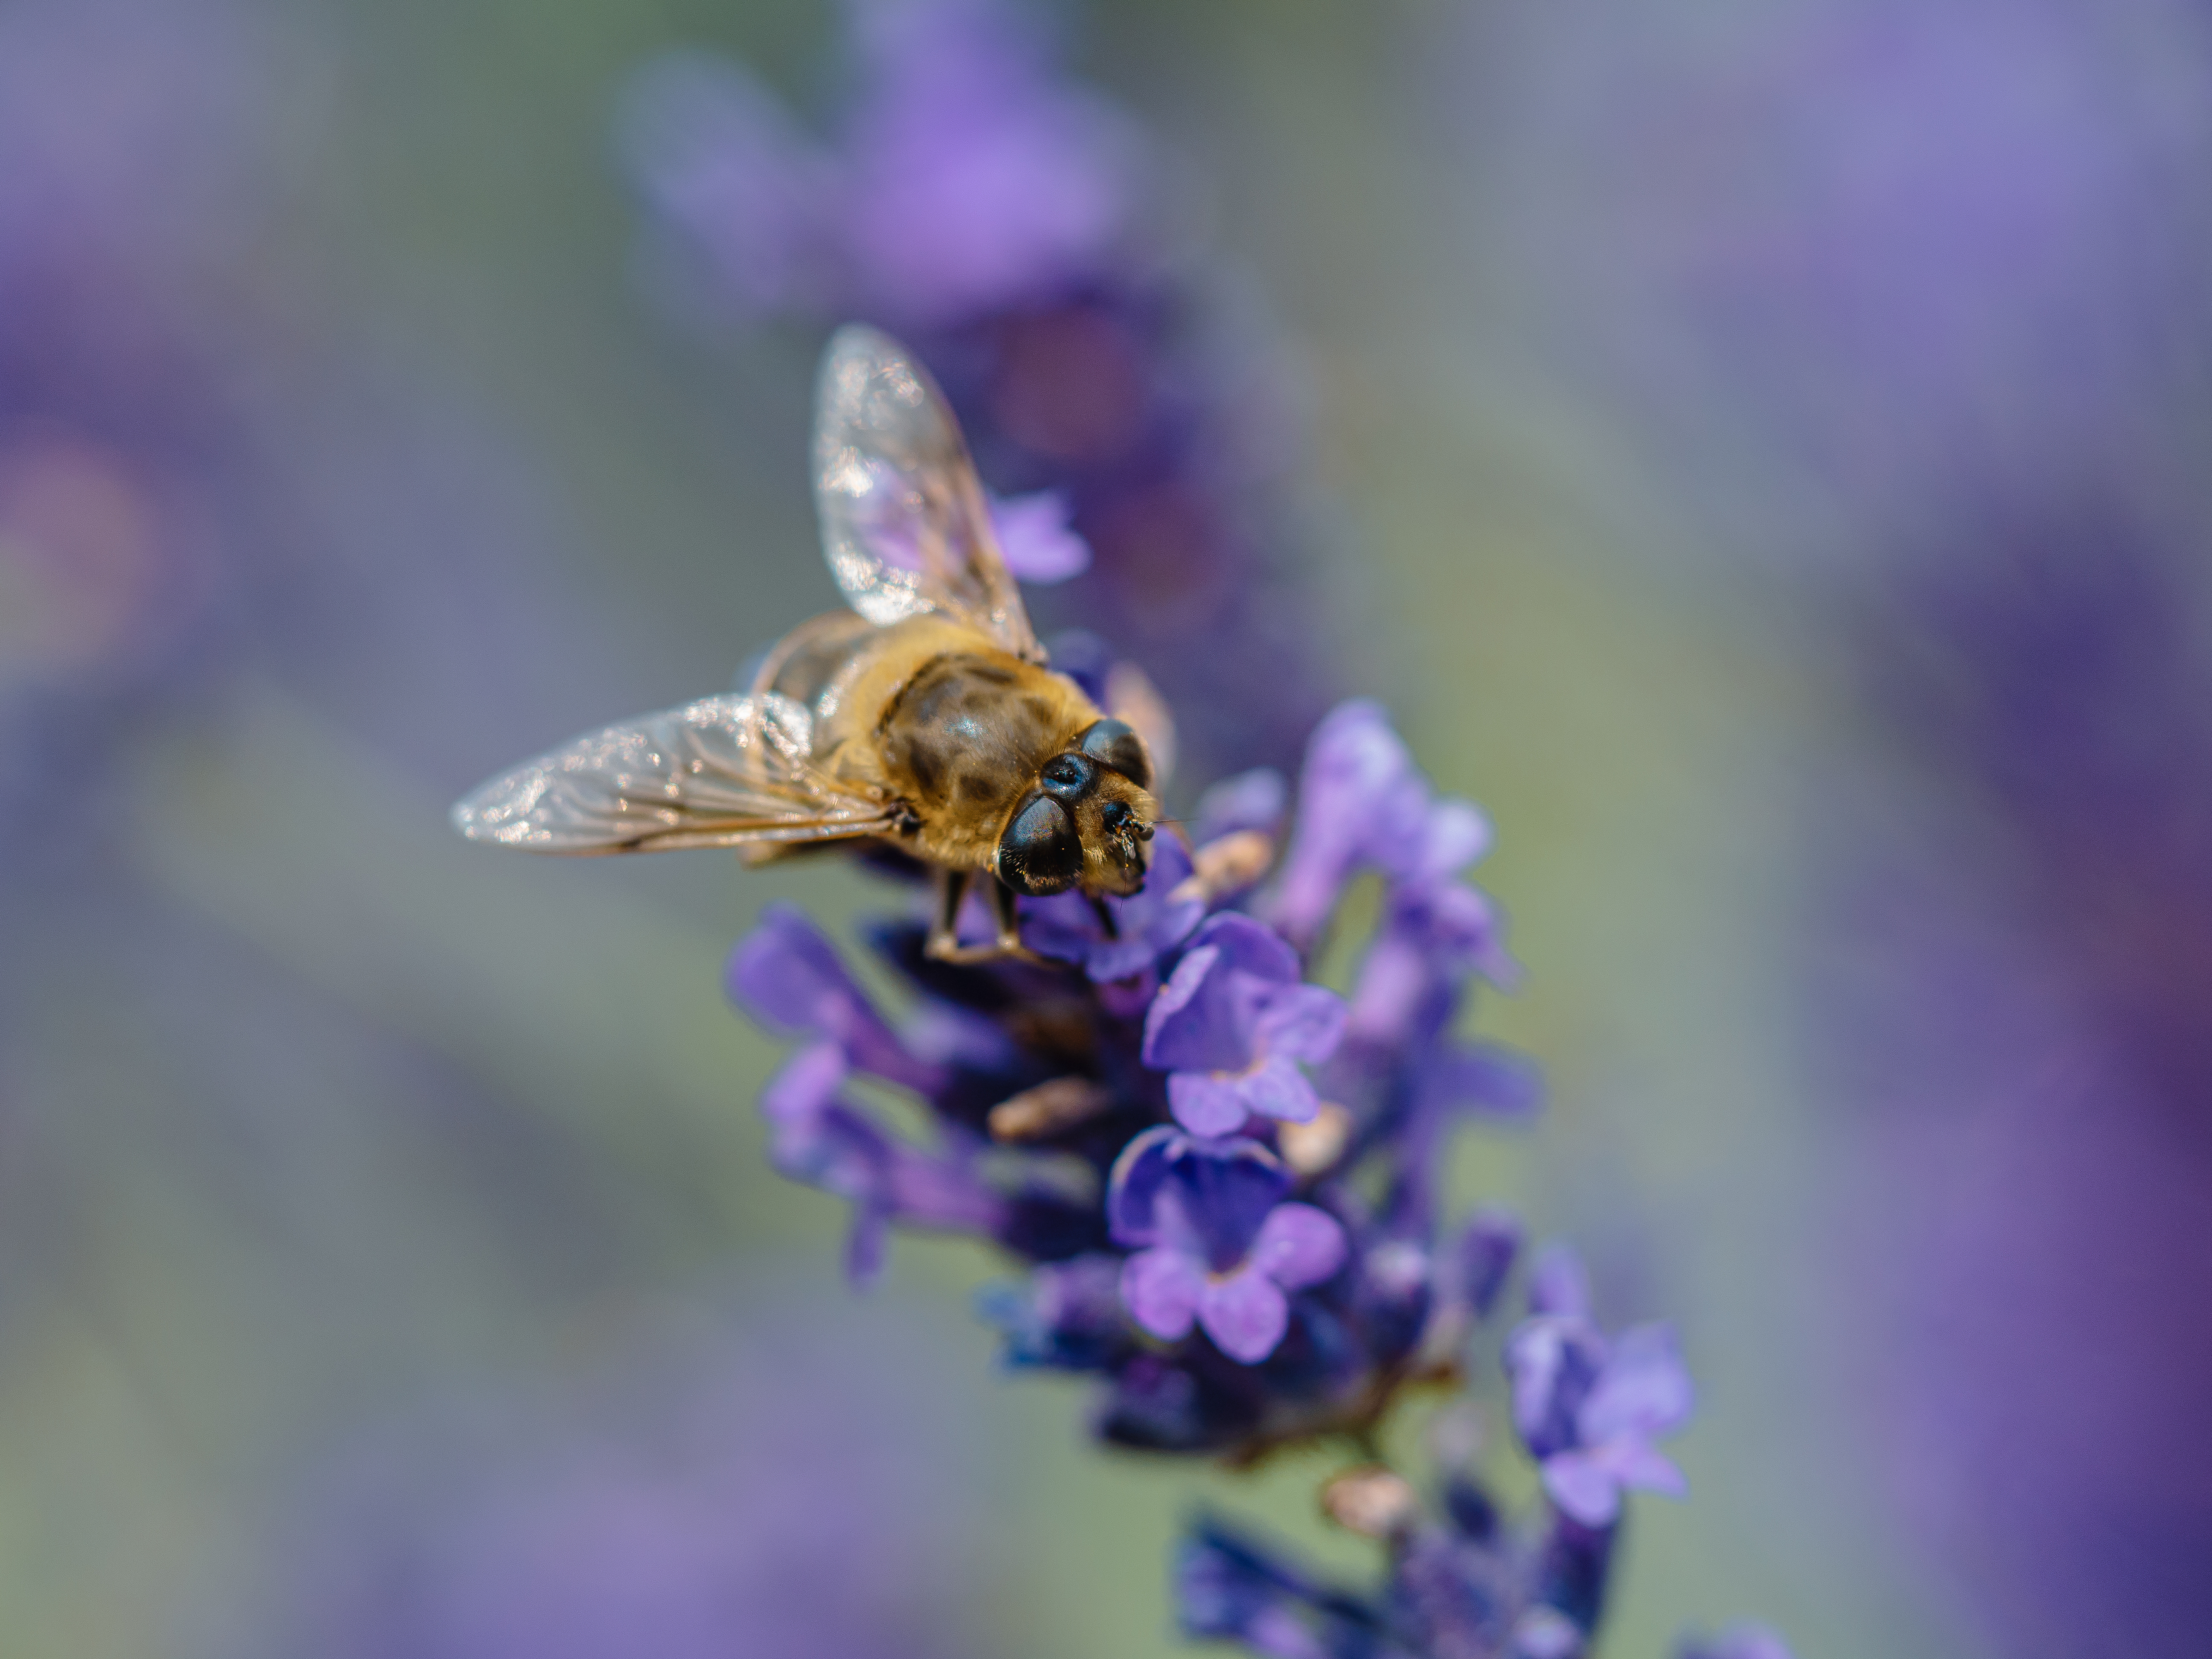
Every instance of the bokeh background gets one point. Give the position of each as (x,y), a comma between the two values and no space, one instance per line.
(1758,452)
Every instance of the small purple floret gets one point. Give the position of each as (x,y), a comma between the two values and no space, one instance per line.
(1215,1246)
(1251,800)
(1232,1025)
(1588,1410)
(1364,804)
(1037,538)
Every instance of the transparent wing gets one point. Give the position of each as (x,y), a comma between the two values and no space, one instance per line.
(904,523)
(722,772)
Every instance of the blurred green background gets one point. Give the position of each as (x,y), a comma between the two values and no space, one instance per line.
(318,1120)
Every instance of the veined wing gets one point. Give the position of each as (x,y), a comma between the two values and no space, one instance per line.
(722,772)
(904,523)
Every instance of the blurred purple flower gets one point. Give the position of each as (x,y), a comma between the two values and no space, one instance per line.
(1036,538)
(968,177)
(819,1137)
(786,975)
(1588,1410)
(1215,1242)
(1250,800)
(1233,1024)
(1488,1246)
(1363,806)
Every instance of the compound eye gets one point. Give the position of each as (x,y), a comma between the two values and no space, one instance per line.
(1115,745)
(1039,852)
(1070,777)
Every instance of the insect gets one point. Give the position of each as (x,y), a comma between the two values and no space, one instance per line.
(925,716)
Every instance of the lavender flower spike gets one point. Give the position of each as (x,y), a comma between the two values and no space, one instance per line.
(1220,1249)
(1232,1024)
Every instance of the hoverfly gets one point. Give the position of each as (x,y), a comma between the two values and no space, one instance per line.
(925,716)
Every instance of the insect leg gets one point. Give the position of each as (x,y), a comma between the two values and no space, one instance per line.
(1010,920)
(943,942)
(1104,912)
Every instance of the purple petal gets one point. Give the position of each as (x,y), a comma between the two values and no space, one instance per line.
(1179,1026)
(1544,1633)
(1208,1103)
(866,1244)
(1298,1245)
(1108,960)
(1485,1256)
(834,1148)
(1249,947)
(1133,1188)
(947,1034)
(1301,1022)
(1205,1019)
(1245,1315)
(1582,1488)
(1276,1633)
(1558,1284)
(786,974)
(1461,929)
(1276,1089)
(1036,539)
(1535,1355)
(1217,1196)
(1063,926)
(1398,980)
(1162,1289)
(1456,835)
(1553,1361)
(1250,800)
(1482,1077)
(1352,765)
(1641,1467)
(1165,921)
(1644,1392)
(807,1083)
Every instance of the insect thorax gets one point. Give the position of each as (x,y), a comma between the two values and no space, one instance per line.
(966,736)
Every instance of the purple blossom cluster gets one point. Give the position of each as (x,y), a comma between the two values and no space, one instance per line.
(1219,1178)
(1002,219)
